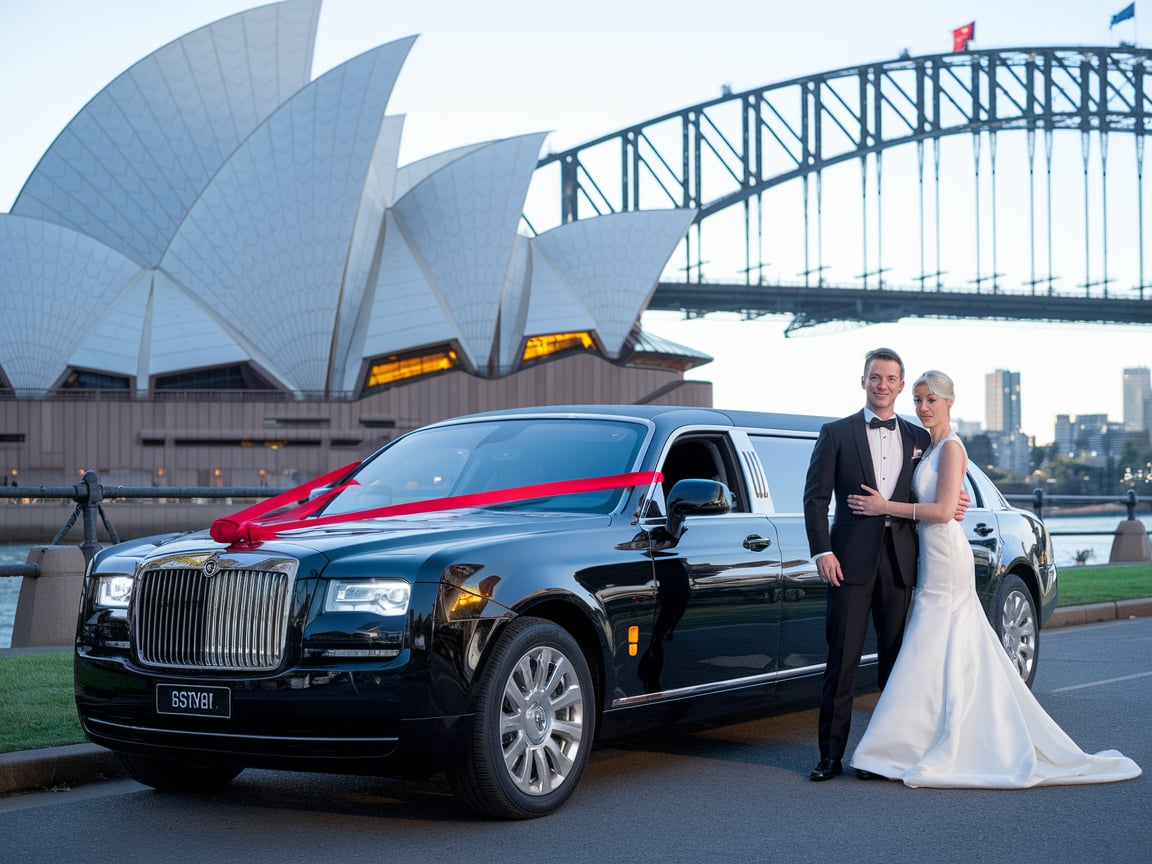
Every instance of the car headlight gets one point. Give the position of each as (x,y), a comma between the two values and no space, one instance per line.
(381,596)
(113,591)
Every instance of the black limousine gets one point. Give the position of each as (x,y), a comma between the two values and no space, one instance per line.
(487,597)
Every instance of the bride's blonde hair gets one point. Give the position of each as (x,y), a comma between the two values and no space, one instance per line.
(938,384)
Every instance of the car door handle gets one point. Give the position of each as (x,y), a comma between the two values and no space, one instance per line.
(983,530)
(756,543)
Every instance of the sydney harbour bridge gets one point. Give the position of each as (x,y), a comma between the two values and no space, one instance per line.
(999,184)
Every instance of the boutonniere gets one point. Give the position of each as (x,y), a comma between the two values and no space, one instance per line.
(916,453)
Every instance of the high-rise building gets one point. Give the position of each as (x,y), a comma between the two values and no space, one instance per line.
(1064,441)
(1137,394)
(1002,401)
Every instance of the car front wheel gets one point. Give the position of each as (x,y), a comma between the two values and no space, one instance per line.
(1018,626)
(533,727)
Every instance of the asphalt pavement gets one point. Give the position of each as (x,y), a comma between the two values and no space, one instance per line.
(80,764)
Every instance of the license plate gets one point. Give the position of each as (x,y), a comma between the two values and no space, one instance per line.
(194,700)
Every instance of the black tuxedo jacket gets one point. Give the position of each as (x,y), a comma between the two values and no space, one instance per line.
(841,462)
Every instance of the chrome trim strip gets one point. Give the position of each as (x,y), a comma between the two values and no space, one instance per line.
(729,684)
(94,722)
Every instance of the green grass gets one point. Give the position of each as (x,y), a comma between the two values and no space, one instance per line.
(36,703)
(1102,584)
(37,708)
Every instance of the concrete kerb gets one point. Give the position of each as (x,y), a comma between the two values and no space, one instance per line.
(78,764)
(56,768)
(1090,613)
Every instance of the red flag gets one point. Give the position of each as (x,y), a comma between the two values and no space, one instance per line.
(961,36)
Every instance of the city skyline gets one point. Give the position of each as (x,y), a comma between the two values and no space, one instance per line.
(1005,393)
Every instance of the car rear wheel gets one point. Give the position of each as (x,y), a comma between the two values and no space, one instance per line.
(533,727)
(171,776)
(1017,625)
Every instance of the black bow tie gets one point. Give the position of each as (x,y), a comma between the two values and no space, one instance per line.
(876,423)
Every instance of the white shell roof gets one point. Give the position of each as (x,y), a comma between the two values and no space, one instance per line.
(42,264)
(211,206)
(462,221)
(128,167)
(267,244)
(612,265)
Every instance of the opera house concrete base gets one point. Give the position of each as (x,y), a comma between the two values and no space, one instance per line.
(239,439)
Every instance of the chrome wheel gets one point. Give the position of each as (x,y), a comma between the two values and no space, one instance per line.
(1018,626)
(533,725)
(541,721)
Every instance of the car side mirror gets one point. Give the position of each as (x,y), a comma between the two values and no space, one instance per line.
(696,498)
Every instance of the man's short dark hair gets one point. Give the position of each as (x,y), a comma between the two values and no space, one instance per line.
(882,354)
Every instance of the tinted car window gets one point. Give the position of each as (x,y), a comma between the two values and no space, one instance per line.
(704,457)
(480,457)
(785,463)
(983,491)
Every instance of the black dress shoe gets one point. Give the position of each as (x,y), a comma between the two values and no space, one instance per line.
(826,769)
(861,774)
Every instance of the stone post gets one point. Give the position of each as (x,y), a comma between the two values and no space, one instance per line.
(48,603)
(1130,545)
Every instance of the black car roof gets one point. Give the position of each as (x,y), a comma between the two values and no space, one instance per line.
(678,414)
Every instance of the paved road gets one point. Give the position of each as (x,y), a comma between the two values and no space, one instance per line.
(738,793)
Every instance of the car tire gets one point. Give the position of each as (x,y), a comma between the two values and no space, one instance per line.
(534,719)
(172,776)
(1017,625)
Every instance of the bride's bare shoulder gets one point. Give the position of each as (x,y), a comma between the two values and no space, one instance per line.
(952,444)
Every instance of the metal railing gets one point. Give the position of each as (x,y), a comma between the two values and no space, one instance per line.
(89,496)
(1039,499)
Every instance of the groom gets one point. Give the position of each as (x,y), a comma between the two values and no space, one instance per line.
(869,563)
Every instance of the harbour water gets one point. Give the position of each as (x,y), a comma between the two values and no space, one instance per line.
(9,591)
(1066,542)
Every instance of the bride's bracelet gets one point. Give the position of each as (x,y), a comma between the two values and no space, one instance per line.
(913,512)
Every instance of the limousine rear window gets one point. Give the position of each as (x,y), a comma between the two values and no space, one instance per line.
(785,464)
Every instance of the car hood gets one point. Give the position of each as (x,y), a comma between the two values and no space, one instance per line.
(382,535)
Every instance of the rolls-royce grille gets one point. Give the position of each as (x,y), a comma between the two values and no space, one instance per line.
(235,620)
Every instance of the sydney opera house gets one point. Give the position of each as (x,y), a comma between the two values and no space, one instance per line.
(218,274)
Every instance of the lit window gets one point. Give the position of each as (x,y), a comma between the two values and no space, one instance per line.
(400,367)
(539,347)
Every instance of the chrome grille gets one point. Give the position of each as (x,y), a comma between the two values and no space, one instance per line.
(236,619)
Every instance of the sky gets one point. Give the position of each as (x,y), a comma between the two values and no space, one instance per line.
(499,68)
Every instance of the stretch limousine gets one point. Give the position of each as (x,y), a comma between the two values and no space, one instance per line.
(487,597)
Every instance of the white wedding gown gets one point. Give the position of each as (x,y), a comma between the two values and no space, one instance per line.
(955,712)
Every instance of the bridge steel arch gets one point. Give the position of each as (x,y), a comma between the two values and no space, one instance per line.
(728,151)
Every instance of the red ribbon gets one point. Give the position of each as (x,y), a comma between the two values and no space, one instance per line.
(230,529)
(246,526)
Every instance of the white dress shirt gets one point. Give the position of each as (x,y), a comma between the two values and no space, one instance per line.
(887,455)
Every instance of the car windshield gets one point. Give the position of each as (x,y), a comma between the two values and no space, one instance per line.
(482,456)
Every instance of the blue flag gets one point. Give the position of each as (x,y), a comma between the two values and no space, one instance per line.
(1124,14)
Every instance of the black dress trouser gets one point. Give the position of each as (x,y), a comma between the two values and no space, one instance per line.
(848,610)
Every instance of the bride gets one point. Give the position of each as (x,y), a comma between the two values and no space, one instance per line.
(955,712)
